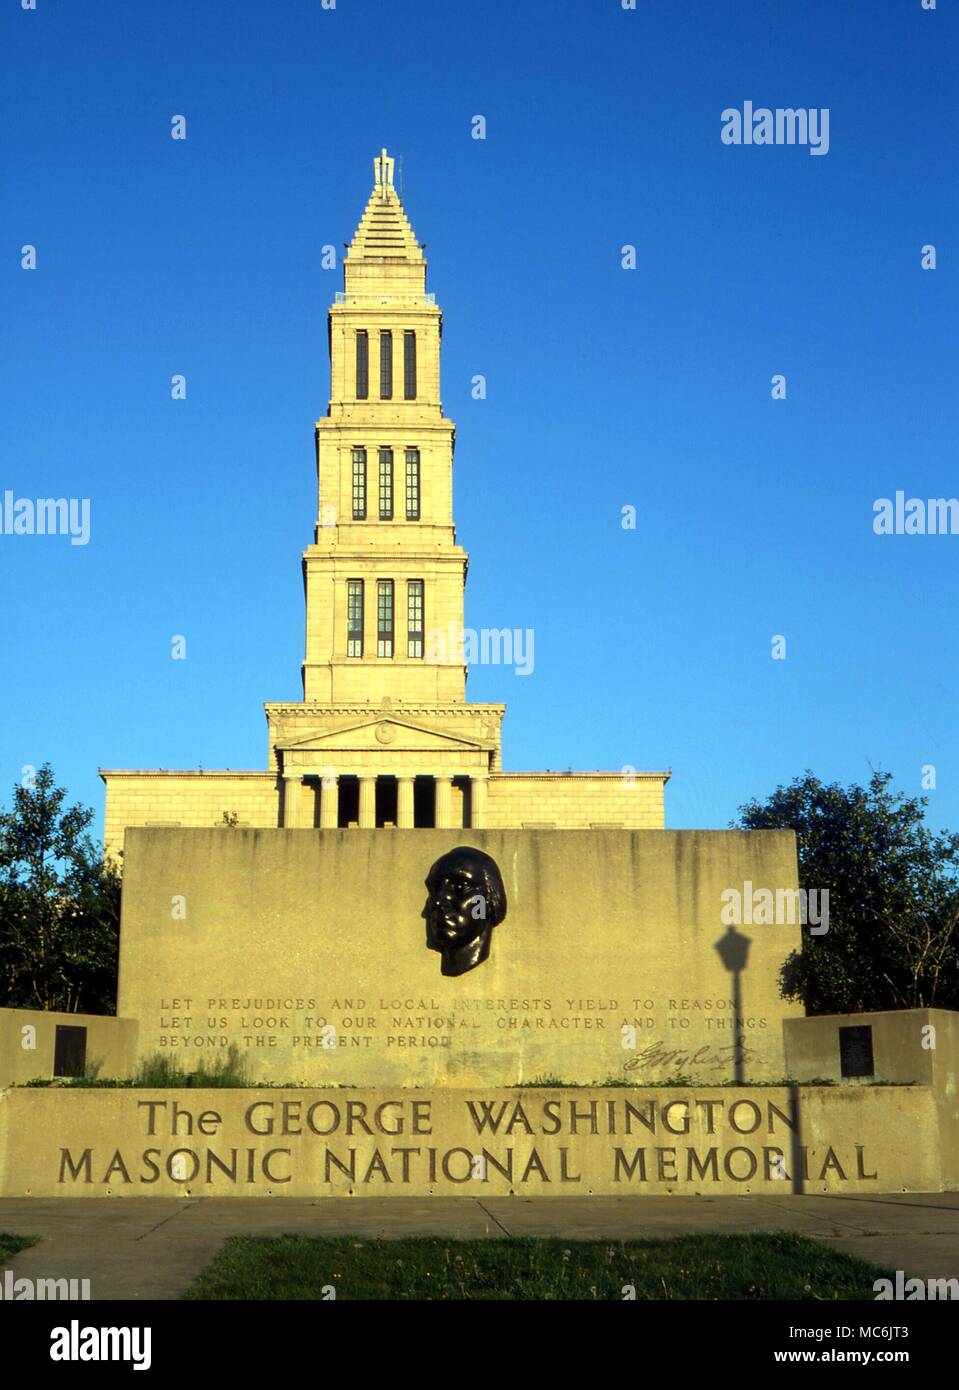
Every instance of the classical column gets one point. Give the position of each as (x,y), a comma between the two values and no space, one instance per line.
(443,816)
(478,787)
(367,803)
(404,803)
(292,801)
(329,802)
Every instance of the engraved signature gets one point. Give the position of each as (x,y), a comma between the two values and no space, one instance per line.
(656,1054)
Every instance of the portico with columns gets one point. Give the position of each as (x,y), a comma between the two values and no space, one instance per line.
(386,771)
(326,801)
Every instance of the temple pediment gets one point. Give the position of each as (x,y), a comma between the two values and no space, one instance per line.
(383,733)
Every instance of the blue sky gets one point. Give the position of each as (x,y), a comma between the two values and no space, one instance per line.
(606,387)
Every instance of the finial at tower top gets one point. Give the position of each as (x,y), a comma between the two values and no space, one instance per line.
(383,171)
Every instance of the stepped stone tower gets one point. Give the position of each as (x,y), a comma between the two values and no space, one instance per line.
(384,735)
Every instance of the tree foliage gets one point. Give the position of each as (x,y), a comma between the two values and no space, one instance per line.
(59,905)
(893,938)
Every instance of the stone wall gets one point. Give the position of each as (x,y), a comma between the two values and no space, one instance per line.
(308,951)
(554,1142)
(912,1046)
(575,801)
(28,1041)
(198,800)
(191,799)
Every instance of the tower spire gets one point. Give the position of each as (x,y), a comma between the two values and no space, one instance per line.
(383,172)
(384,234)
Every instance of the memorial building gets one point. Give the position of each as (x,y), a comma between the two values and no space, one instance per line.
(384,735)
(538,991)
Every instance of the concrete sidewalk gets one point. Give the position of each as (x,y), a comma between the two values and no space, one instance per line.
(133,1248)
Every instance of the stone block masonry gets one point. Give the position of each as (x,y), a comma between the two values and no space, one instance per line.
(550,1143)
(308,952)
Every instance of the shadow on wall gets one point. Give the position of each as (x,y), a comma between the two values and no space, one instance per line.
(733,951)
(795,1141)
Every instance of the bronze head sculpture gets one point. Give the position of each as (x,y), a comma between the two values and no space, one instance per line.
(466,901)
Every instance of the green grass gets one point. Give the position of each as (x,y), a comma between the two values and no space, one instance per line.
(10,1245)
(671,1083)
(230,1069)
(227,1069)
(296,1267)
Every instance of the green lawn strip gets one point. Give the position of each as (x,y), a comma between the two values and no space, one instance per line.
(779,1265)
(10,1245)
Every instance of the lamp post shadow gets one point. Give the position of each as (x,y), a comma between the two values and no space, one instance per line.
(733,951)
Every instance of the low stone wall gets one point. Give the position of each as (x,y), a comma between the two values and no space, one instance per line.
(28,1043)
(559,1142)
(910,1045)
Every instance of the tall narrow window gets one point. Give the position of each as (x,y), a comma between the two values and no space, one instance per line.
(386,485)
(359,484)
(362,364)
(384,617)
(414,617)
(386,365)
(412,484)
(354,617)
(409,365)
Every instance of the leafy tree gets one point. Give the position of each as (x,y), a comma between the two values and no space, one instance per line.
(893,938)
(59,905)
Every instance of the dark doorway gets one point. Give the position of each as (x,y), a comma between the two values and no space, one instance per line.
(461,801)
(424,803)
(349,810)
(385,801)
(855,1051)
(69,1051)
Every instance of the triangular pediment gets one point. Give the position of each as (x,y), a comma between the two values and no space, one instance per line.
(382,733)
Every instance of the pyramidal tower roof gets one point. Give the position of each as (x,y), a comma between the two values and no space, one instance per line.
(384,233)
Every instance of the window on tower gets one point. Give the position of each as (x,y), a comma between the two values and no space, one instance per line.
(414,617)
(362,364)
(359,484)
(412,484)
(409,365)
(354,617)
(386,485)
(386,365)
(384,617)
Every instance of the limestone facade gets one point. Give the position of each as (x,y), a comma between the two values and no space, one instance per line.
(384,735)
